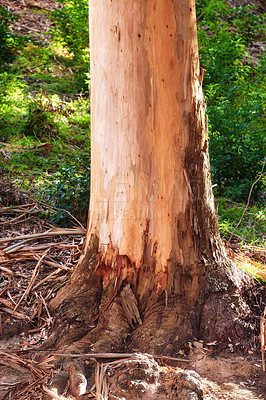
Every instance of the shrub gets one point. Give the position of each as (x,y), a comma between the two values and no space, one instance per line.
(70,191)
(235,95)
(72,30)
(253,227)
(72,26)
(40,120)
(8,40)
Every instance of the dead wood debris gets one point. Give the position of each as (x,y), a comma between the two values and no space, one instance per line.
(263,338)
(31,386)
(36,258)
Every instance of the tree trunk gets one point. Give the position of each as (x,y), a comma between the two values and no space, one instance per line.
(152,247)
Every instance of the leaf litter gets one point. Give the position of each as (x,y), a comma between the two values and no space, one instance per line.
(36,259)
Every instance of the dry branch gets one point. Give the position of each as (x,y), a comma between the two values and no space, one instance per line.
(53,264)
(8,271)
(263,338)
(33,277)
(14,314)
(50,233)
(117,356)
(17,246)
(101,384)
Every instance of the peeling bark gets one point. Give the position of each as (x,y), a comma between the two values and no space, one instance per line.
(152,224)
(151,196)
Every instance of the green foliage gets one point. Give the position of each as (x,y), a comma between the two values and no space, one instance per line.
(248,24)
(8,40)
(40,122)
(253,226)
(40,102)
(72,25)
(234,86)
(70,191)
(30,116)
(12,105)
(72,30)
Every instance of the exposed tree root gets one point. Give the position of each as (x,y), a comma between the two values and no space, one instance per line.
(91,316)
(136,377)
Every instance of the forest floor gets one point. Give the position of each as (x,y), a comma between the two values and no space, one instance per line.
(36,258)
(34,267)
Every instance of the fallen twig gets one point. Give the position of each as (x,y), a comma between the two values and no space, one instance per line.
(50,319)
(117,356)
(16,246)
(14,314)
(17,209)
(263,338)
(8,271)
(47,278)
(33,277)
(54,264)
(10,309)
(50,233)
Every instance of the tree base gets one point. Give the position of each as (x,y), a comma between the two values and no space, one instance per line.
(95,317)
(91,315)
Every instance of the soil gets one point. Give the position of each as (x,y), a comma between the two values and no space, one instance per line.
(33,17)
(26,372)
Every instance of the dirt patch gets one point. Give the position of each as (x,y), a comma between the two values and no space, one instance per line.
(234,378)
(33,17)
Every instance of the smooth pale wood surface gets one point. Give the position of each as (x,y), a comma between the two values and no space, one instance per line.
(146,90)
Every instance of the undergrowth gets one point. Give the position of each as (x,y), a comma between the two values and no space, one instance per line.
(69,193)
(45,113)
(9,42)
(252,229)
(231,52)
